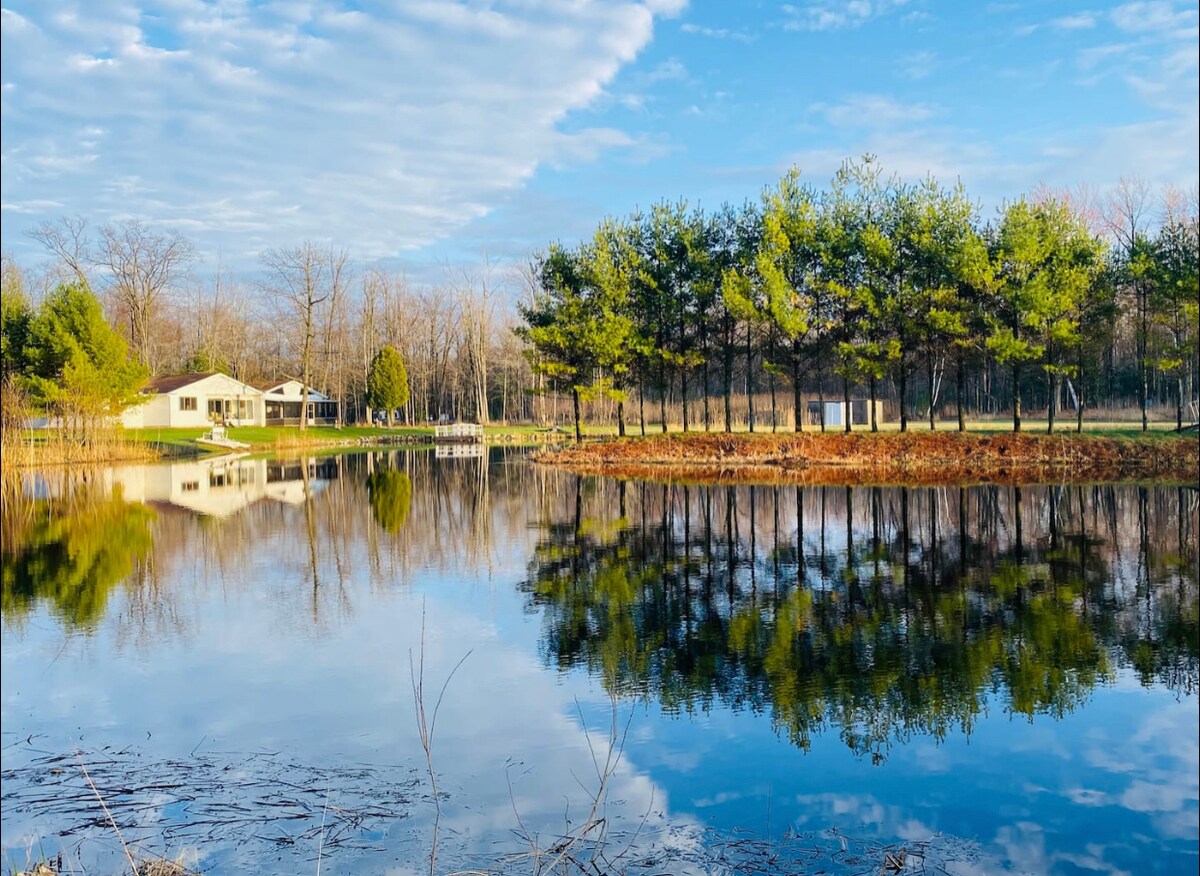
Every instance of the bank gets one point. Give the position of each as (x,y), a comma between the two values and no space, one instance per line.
(865,457)
(41,447)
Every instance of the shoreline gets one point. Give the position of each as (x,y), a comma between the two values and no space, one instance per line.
(915,458)
(149,449)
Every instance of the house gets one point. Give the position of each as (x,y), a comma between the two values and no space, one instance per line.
(283,399)
(200,400)
(196,401)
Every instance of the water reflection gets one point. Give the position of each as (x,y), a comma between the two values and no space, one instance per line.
(875,613)
(808,656)
(70,551)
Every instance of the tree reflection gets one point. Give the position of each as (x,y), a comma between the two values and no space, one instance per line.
(71,553)
(390,494)
(872,617)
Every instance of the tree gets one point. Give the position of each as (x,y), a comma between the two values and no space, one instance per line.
(79,369)
(301,280)
(1046,260)
(144,266)
(1175,300)
(578,332)
(387,382)
(786,263)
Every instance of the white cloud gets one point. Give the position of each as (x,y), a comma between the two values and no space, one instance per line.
(918,65)
(386,129)
(1157,15)
(872,111)
(836,15)
(716,33)
(1081,21)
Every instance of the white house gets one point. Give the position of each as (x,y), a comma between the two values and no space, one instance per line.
(200,400)
(283,400)
(197,401)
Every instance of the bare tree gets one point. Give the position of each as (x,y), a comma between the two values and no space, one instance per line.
(144,266)
(477,308)
(67,241)
(302,279)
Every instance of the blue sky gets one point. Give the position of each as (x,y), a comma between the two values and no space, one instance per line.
(427,133)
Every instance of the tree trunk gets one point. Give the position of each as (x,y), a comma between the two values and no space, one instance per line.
(642,403)
(621,418)
(1142,344)
(728,374)
(707,412)
(797,401)
(874,395)
(683,398)
(575,402)
(750,376)
(662,392)
(929,377)
(903,387)
(1016,390)
(1079,396)
(847,413)
(821,396)
(960,392)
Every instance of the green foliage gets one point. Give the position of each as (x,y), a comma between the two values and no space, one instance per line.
(15,319)
(203,361)
(578,325)
(71,555)
(77,367)
(387,381)
(390,494)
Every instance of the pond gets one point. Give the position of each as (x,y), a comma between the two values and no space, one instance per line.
(234,655)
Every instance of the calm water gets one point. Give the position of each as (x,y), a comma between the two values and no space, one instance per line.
(796,679)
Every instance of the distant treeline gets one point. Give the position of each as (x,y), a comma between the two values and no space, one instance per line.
(877,287)
(869,287)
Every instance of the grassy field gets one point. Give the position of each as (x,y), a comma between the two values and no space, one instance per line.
(270,437)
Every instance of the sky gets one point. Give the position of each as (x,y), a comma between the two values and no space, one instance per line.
(424,134)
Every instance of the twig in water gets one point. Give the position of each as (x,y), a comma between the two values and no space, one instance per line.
(426,729)
(321,844)
(111,820)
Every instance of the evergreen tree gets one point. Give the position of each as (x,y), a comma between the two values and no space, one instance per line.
(79,368)
(387,382)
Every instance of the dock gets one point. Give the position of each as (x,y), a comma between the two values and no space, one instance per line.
(217,437)
(458,433)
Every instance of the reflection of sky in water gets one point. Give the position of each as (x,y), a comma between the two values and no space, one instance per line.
(227,646)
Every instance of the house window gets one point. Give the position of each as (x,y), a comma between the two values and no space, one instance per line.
(187,403)
(190,486)
(245,409)
(216,409)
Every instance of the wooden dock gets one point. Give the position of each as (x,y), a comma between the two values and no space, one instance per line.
(458,433)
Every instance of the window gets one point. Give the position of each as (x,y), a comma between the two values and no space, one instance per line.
(190,486)
(245,409)
(187,403)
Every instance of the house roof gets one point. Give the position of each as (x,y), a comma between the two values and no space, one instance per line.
(175,381)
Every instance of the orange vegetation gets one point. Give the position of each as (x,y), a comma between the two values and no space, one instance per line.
(859,457)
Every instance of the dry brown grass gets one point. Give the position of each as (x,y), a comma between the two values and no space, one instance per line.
(839,458)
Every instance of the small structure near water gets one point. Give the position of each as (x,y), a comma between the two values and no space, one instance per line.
(837,413)
(218,437)
(458,433)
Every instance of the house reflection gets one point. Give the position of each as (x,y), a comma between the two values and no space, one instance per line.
(226,485)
